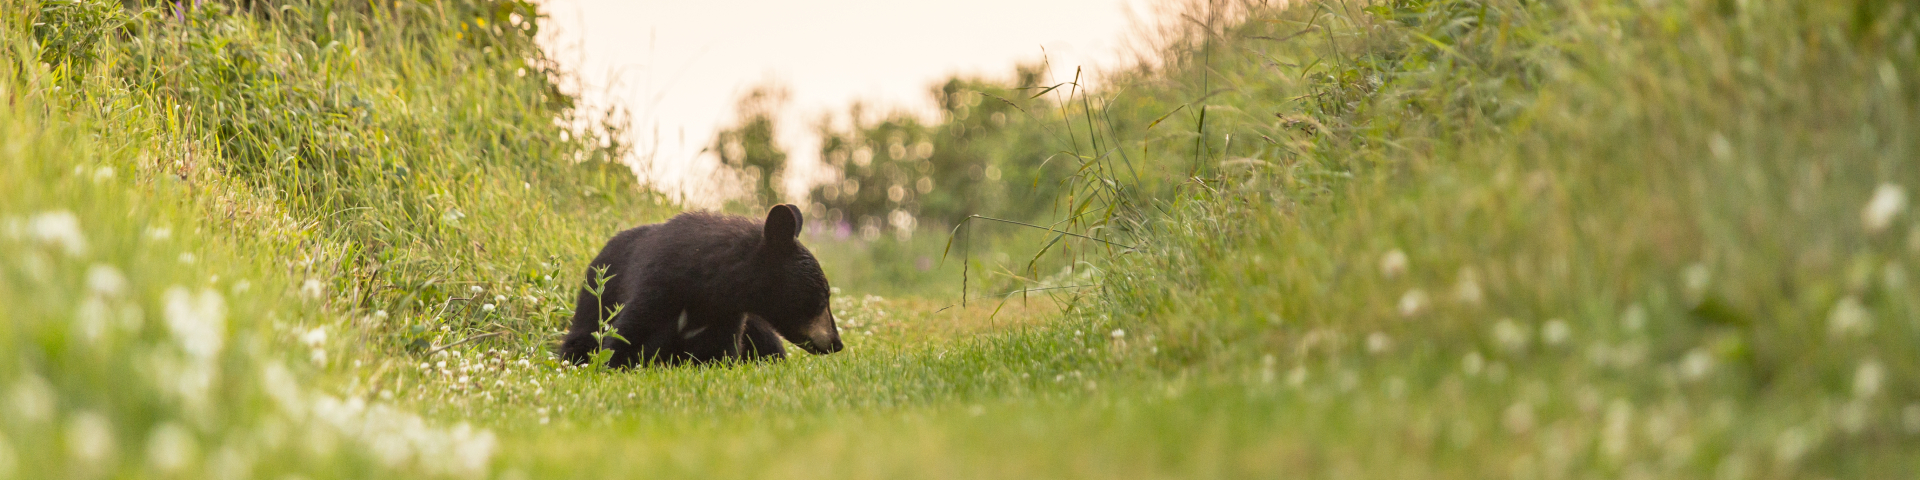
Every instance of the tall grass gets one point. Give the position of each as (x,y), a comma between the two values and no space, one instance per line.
(1567,237)
(1435,239)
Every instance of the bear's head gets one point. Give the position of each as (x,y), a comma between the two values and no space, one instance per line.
(795,302)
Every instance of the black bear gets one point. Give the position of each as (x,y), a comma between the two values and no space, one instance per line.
(704,287)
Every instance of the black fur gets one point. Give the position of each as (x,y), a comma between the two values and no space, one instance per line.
(704,287)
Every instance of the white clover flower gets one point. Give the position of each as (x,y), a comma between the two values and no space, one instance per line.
(90,320)
(380,314)
(1868,378)
(198,321)
(1852,416)
(1617,433)
(1791,446)
(1696,278)
(1696,365)
(283,389)
(31,398)
(1555,332)
(486,307)
(59,229)
(1849,319)
(12,227)
(9,461)
(1472,364)
(314,338)
(311,289)
(1413,302)
(106,281)
(1118,334)
(1518,418)
(1910,418)
(1635,318)
(1393,264)
(171,447)
(1378,343)
(90,437)
(1467,290)
(500,299)
(1510,335)
(476,289)
(1889,201)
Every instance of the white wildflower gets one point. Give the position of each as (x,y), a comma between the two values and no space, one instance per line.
(1510,335)
(1413,302)
(1118,334)
(1635,318)
(1473,363)
(486,307)
(476,289)
(311,289)
(1910,418)
(187,258)
(380,314)
(59,229)
(1696,365)
(1555,332)
(314,338)
(9,461)
(1393,264)
(1518,418)
(499,299)
(1378,342)
(1849,319)
(1868,378)
(1889,201)
(1467,291)
(1791,446)
(104,280)
(198,321)
(1696,278)
(31,398)
(90,320)
(1852,416)
(90,437)
(1617,434)
(170,447)
(159,233)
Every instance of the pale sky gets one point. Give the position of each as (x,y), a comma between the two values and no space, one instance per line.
(680,65)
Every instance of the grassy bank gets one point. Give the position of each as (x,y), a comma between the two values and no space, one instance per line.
(1442,239)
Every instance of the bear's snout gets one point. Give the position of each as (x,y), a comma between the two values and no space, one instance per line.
(823,337)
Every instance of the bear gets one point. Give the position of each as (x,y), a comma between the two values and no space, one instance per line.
(702,287)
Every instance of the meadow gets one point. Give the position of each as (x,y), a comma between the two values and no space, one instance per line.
(1320,239)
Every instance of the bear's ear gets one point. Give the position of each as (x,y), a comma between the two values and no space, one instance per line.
(783,225)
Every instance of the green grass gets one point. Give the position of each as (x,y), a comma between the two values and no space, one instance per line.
(1440,239)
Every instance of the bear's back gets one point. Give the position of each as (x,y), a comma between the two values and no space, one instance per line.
(696,247)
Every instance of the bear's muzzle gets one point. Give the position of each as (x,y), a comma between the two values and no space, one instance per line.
(823,337)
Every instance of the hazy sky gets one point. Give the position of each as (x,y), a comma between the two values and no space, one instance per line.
(680,65)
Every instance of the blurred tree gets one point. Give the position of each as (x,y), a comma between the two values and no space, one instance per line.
(986,155)
(750,147)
